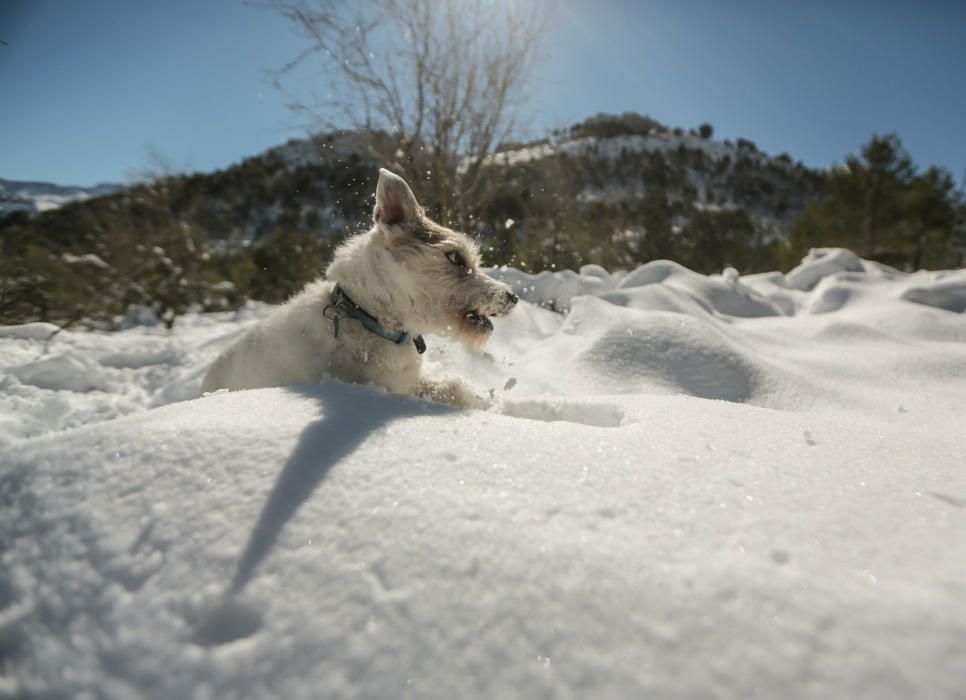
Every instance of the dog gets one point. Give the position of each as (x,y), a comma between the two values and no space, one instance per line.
(364,321)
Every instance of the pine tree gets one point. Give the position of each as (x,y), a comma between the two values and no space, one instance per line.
(879,206)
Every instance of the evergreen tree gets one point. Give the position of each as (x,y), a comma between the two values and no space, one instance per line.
(879,206)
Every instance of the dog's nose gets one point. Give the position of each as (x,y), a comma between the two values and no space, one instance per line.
(511,299)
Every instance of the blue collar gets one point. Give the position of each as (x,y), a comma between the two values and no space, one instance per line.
(341,300)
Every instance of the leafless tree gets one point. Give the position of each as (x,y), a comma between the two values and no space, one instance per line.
(437,84)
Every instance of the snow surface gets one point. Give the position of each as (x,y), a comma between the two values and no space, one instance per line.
(695,487)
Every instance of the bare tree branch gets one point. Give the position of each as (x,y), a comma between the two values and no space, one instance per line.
(436,83)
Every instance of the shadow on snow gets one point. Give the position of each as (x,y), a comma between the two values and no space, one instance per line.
(350,415)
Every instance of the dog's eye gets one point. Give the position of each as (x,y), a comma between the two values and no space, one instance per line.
(455,258)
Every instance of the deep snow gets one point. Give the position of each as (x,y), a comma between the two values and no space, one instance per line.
(696,486)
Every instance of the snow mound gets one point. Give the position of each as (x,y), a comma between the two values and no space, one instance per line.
(556,289)
(691,486)
(632,352)
(29,331)
(821,263)
(63,372)
(943,292)
(724,295)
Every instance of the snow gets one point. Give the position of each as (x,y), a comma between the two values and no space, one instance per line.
(36,197)
(695,486)
(612,147)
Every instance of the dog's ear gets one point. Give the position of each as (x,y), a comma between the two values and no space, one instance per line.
(395,202)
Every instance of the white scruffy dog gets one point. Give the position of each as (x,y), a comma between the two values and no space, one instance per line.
(363,322)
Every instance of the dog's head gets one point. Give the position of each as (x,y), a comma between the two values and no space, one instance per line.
(438,269)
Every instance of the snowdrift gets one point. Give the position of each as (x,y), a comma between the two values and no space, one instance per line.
(694,486)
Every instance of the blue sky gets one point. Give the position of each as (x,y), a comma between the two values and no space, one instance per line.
(86,87)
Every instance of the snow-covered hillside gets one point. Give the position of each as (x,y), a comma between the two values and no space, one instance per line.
(623,160)
(35,197)
(611,148)
(692,487)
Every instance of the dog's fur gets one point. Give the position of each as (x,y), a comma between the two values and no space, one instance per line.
(404,272)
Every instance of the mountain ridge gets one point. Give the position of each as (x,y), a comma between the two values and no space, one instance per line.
(35,196)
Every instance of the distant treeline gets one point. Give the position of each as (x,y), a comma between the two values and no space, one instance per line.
(617,191)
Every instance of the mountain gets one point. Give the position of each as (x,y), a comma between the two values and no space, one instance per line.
(623,158)
(630,166)
(37,197)
(613,190)
(322,184)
